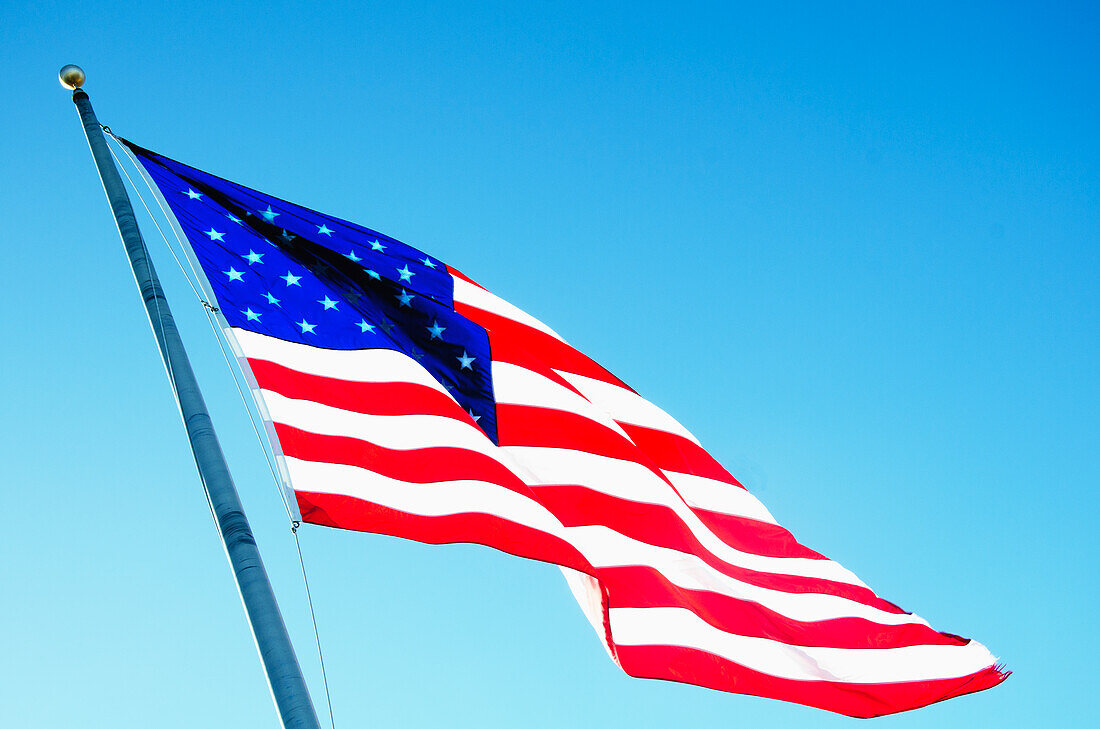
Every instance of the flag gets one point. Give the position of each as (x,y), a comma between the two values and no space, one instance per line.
(403,398)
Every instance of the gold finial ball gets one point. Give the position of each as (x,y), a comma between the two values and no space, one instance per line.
(71,77)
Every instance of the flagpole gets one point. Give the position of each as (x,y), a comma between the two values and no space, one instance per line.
(284,675)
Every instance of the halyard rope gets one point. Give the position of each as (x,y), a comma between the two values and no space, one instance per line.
(210,309)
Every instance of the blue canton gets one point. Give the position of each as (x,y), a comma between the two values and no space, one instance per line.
(289,272)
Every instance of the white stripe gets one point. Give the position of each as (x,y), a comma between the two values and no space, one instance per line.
(477,297)
(354,365)
(397,432)
(625,405)
(517,385)
(681,627)
(724,498)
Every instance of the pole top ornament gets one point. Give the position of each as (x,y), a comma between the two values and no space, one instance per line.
(71,77)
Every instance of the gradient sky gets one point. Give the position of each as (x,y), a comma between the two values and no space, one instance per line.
(854,250)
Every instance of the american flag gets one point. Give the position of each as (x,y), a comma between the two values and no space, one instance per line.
(403,398)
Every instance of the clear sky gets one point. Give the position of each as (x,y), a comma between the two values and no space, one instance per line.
(854,250)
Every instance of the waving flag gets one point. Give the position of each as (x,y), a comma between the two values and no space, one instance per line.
(402,398)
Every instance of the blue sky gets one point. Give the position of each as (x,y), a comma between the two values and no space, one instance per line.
(854,250)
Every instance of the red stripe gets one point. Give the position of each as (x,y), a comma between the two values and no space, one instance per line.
(347,512)
(661,527)
(757,537)
(505,332)
(530,425)
(422,465)
(673,452)
(371,398)
(643,587)
(506,350)
(862,700)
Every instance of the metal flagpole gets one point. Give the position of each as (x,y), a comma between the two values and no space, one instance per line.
(284,675)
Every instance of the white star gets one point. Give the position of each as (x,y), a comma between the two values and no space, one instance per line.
(272,300)
(365,327)
(405,297)
(291,279)
(214,235)
(436,331)
(192,194)
(234,218)
(307,328)
(373,274)
(328,303)
(405,274)
(234,274)
(252,316)
(428,262)
(475,417)
(253,257)
(377,245)
(465,361)
(269,214)
(324,230)
(352,256)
